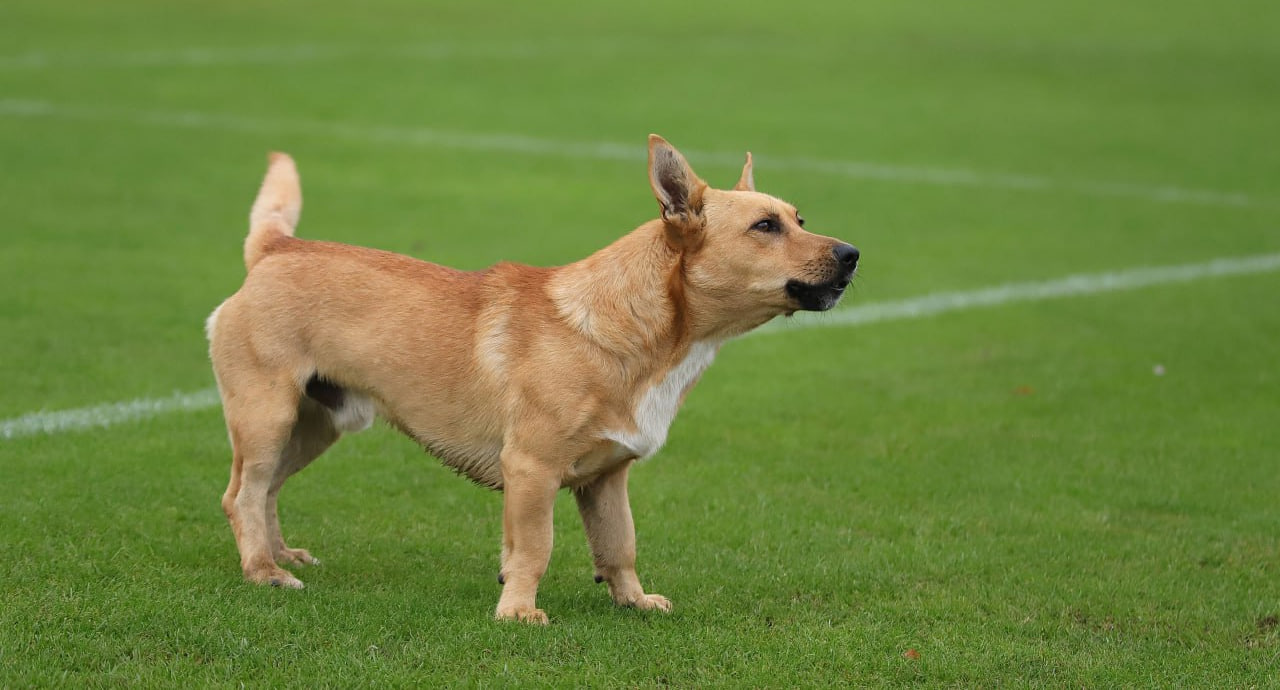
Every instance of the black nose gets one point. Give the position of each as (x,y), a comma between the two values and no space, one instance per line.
(846,254)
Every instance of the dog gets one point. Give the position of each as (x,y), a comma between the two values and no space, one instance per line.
(524,379)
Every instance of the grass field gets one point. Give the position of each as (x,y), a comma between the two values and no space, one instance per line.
(1008,495)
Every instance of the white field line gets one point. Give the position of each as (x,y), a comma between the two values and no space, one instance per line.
(305,53)
(1010,293)
(111,414)
(105,415)
(189,57)
(537,146)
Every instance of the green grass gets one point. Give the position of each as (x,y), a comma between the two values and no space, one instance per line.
(1011,492)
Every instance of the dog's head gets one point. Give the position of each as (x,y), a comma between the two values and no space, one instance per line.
(746,254)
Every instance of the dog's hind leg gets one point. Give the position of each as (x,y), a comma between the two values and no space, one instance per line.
(606,516)
(312,434)
(261,422)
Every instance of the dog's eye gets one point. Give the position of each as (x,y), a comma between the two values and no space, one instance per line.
(767,225)
(800,220)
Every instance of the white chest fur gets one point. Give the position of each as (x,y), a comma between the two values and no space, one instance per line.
(658,405)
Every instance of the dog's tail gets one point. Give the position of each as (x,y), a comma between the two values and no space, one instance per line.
(276,210)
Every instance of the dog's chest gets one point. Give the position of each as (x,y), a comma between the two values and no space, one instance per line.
(658,405)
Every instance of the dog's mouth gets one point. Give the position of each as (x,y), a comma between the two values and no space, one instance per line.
(818,296)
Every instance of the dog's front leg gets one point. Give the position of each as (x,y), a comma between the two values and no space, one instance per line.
(529,495)
(606,516)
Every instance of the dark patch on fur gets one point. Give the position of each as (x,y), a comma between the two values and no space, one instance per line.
(324,392)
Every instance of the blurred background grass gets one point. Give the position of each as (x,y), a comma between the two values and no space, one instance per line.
(1011,492)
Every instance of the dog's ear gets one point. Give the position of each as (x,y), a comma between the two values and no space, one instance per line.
(678,190)
(746,183)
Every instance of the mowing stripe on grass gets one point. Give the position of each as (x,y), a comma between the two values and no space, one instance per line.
(111,414)
(603,150)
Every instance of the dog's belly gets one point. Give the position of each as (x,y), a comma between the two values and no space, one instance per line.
(479,462)
(469,437)
(463,439)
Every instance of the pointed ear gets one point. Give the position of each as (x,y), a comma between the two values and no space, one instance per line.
(746,183)
(677,188)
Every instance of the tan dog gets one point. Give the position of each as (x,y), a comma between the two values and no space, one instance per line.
(527,380)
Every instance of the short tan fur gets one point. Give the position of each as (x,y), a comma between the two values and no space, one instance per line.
(524,379)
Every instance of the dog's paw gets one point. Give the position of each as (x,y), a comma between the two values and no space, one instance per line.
(522,614)
(287,556)
(650,602)
(276,577)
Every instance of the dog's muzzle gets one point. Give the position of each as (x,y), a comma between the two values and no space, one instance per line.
(824,295)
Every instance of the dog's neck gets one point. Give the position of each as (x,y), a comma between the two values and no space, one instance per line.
(626,297)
